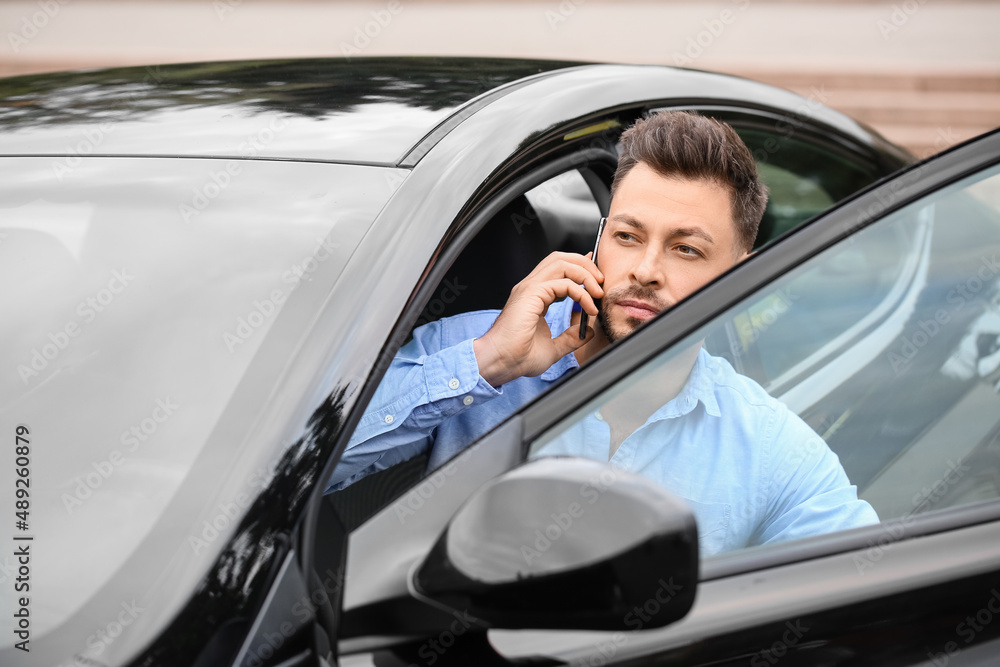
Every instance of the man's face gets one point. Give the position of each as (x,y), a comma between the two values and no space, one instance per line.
(665,237)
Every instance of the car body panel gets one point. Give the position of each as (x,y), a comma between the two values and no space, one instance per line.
(355,110)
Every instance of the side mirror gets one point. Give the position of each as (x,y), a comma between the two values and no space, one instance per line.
(566,543)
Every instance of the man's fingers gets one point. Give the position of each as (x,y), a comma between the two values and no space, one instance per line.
(580,275)
(569,340)
(567,264)
(566,287)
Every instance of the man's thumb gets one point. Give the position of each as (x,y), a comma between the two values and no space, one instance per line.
(569,340)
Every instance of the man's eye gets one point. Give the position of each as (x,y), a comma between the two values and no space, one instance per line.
(624,236)
(688,250)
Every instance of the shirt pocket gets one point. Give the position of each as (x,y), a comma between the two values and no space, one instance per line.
(714,525)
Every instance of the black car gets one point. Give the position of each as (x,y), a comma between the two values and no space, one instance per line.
(209,266)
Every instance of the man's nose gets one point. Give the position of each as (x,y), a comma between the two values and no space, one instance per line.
(649,269)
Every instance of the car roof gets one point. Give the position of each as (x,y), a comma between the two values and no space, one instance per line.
(356,110)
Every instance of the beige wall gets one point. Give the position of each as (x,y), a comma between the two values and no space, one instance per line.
(926,73)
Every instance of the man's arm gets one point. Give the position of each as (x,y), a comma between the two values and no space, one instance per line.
(427,382)
(467,356)
(809,492)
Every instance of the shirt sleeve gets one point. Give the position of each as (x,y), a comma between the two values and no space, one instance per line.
(809,492)
(427,382)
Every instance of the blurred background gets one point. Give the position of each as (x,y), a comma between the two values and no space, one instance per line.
(925,73)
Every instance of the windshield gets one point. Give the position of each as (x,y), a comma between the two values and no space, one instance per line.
(136,293)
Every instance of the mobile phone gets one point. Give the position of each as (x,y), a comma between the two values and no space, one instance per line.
(584,317)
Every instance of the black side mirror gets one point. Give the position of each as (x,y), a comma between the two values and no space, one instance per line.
(566,543)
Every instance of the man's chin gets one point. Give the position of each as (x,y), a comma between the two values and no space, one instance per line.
(618,330)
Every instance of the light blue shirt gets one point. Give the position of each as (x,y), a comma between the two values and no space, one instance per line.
(751,470)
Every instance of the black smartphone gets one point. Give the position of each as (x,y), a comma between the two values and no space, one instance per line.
(584,317)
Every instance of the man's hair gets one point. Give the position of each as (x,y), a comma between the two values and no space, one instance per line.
(678,143)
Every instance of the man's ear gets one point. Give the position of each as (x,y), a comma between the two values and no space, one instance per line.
(745,255)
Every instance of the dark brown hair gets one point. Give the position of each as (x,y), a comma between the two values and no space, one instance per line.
(679,143)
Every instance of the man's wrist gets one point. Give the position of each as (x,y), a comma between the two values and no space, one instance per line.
(491,367)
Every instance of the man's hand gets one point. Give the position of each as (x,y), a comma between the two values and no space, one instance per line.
(520,343)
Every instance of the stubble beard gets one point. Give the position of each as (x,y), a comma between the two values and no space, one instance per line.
(631,323)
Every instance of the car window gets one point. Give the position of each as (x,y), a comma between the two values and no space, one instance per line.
(567,210)
(560,213)
(868,276)
(804,178)
(885,349)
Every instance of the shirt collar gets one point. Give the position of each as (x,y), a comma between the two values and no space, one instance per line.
(700,387)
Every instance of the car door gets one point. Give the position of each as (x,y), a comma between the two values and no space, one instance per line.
(897,370)
(894,362)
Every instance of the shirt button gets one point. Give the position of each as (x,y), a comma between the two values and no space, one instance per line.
(389,419)
(599,416)
(468,400)
(453,383)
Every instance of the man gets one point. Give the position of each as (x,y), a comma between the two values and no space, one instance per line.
(685,207)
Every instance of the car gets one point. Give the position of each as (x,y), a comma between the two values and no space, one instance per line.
(210,265)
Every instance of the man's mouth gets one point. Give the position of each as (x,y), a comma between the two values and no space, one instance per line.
(640,310)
